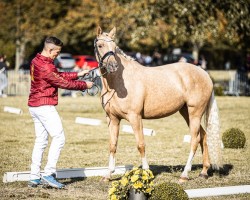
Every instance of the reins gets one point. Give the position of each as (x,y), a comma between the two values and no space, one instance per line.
(93,79)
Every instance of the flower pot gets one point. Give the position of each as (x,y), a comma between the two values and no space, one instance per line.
(133,195)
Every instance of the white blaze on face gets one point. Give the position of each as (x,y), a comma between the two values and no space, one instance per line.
(109,46)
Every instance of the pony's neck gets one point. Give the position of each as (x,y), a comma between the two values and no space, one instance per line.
(105,86)
(118,52)
(106,92)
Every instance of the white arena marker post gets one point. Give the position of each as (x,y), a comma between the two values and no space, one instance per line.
(187,138)
(88,121)
(12,110)
(146,131)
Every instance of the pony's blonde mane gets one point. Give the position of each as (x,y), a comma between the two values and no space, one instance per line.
(121,52)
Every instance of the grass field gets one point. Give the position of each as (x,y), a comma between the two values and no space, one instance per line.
(87,146)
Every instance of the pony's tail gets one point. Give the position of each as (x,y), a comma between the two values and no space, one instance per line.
(213,133)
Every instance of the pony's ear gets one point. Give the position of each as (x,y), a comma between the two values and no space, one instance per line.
(98,31)
(112,33)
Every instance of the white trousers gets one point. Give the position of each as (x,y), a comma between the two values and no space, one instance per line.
(47,122)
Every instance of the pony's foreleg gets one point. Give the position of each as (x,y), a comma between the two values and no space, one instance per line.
(194,125)
(137,126)
(114,133)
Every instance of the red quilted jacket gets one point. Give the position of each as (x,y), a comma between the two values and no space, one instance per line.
(45,81)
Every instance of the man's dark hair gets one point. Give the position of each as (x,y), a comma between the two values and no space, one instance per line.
(54,40)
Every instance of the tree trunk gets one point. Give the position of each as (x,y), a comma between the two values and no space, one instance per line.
(20,54)
(17,62)
(195,53)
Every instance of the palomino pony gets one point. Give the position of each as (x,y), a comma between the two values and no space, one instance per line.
(133,92)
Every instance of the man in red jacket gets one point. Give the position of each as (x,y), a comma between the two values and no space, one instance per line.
(45,81)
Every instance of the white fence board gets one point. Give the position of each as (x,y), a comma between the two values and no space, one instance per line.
(88,121)
(66,173)
(218,191)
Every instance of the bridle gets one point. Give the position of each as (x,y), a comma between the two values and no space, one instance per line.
(101,65)
(101,59)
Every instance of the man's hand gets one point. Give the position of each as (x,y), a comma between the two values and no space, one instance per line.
(89,84)
(83,73)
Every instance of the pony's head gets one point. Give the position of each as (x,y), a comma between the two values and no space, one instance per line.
(105,50)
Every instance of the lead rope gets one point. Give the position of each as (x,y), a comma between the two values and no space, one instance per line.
(95,88)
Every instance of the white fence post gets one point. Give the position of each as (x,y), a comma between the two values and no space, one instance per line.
(238,84)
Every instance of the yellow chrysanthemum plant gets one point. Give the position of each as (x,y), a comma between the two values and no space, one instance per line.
(139,179)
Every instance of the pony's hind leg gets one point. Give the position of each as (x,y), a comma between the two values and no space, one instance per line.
(114,124)
(204,149)
(193,119)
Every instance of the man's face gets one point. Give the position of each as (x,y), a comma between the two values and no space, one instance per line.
(54,52)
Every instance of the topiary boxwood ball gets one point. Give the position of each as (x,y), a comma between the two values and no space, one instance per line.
(168,191)
(234,138)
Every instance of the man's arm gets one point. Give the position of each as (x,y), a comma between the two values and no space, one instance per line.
(59,81)
(73,75)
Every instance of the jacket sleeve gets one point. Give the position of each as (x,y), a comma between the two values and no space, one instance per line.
(69,75)
(57,80)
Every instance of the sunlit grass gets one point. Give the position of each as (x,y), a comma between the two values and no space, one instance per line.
(87,146)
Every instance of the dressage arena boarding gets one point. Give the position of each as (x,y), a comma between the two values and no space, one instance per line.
(18,82)
(99,171)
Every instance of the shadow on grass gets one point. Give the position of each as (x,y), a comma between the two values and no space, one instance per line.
(73,180)
(158,169)
(223,171)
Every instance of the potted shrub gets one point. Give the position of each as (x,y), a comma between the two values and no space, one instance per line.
(134,184)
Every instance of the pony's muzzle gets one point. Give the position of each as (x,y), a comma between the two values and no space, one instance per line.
(112,66)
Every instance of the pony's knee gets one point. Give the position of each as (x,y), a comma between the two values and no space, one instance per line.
(112,148)
(141,147)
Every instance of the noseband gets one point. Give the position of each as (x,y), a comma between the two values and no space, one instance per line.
(101,59)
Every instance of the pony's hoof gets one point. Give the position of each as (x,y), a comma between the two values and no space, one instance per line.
(205,176)
(105,179)
(183,180)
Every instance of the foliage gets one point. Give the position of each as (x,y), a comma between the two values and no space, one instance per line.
(218,90)
(138,179)
(234,138)
(142,25)
(118,190)
(27,23)
(204,22)
(170,191)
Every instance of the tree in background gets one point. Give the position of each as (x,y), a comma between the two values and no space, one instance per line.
(27,22)
(143,25)
(200,23)
(128,16)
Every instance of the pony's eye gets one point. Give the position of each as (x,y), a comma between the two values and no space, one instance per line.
(99,46)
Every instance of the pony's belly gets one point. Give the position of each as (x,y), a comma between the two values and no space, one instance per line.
(161,110)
